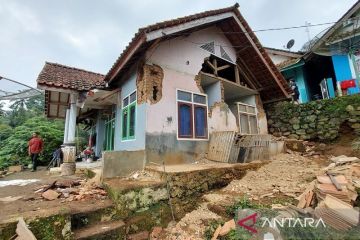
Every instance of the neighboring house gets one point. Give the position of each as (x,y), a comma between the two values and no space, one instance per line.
(313,74)
(341,43)
(175,84)
(291,66)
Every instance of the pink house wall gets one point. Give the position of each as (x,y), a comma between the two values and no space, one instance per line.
(181,60)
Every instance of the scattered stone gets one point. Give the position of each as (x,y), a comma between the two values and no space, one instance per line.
(228,226)
(50,195)
(139,236)
(23,232)
(17,168)
(216,233)
(156,232)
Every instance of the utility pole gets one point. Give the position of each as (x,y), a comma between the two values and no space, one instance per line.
(307,30)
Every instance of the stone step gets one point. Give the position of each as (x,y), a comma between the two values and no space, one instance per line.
(83,217)
(103,230)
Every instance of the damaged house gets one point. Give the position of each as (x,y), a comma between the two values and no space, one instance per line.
(176,84)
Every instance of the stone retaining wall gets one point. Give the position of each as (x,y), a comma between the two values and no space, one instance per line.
(320,119)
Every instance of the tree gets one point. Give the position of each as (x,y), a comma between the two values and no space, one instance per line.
(13,150)
(2,111)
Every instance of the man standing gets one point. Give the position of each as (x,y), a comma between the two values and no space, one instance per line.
(35,147)
(295,89)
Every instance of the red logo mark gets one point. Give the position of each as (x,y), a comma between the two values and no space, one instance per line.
(242,222)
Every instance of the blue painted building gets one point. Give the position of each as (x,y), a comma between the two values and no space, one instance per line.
(341,42)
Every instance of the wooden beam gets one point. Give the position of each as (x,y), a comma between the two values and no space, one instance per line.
(252,78)
(107,95)
(223,67)
(215,67)
(210,64)
(261,56)
(58,106)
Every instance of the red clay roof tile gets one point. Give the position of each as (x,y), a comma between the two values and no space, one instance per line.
(61,76)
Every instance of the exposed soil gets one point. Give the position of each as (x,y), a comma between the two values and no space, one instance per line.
(278,182)
(342,145)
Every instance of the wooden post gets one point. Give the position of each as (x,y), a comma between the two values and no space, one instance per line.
(237,75)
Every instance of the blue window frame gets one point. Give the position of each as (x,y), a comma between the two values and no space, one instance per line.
(192,115)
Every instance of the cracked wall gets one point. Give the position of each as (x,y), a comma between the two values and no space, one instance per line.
(149,83)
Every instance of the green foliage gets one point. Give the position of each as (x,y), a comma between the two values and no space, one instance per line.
(13,150)
(5,131)
(243,203)
(211,228)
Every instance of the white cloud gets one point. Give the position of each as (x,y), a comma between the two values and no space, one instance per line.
(23,16)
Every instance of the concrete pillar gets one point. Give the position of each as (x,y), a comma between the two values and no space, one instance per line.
(66,125)
(69,150)
(72,121)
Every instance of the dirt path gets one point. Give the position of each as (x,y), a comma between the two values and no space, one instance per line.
(278,182)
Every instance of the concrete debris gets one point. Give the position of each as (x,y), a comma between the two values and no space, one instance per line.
(216,233)
(228,226)
(139,236)
(155,233)
(340,160)
(23,232)
(50,195)
(72,190)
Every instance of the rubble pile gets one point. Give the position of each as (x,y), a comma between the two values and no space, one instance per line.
(293,169)
(334,193)
(71,190)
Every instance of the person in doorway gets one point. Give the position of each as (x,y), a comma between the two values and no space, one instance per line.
(294,88)
(36,145)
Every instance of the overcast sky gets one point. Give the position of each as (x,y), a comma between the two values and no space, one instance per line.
(91,34)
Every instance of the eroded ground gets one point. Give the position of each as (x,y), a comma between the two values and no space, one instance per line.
(278,182)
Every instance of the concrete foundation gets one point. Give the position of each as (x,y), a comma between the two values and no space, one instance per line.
(167,148)
(122,163)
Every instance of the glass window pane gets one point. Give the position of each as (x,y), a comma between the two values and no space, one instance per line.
(132,121)
(244,124)
(185,120)
(242,108)
(200,122)
(126,101)
(251,109)
(185,96)
(253,125)
(133,97)
(124,122)
(199,99)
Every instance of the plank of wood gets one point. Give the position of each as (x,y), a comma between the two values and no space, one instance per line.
(333,180)
(326,179)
